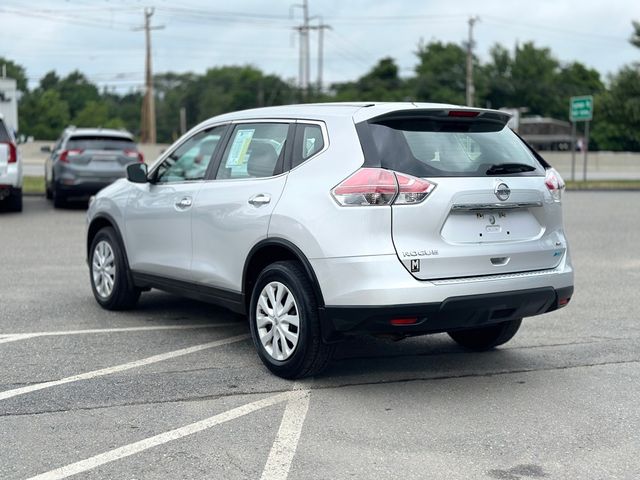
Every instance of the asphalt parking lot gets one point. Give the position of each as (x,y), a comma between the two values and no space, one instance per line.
(175,390)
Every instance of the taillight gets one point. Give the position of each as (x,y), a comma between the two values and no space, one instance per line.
(554,183)
(135,154)
(377,186)
(64,156)
(13,152)
(412,189)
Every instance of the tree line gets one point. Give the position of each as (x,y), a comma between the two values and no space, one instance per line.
(528,77)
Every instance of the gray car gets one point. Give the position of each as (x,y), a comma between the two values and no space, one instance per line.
(85,160)
(323,221)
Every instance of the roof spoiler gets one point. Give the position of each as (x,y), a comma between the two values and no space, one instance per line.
(496,118)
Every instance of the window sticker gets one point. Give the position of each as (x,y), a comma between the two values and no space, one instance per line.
(238,153)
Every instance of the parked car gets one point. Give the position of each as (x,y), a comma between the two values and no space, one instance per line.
(322,221)
(10,170)
(85,160)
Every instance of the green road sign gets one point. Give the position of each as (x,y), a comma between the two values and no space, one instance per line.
(581,108)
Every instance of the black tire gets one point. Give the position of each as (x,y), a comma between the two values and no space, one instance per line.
(124,295)
(59,198)
(14,201)
(311,355)
(486,338)
(47,191)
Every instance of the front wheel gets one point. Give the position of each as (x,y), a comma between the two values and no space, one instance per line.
(284,321)
(485,338)
(110,279)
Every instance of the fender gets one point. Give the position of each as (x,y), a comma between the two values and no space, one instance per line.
(281,242)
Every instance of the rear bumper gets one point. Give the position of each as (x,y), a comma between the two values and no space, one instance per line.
(83,188)
(453,313)
(362,294)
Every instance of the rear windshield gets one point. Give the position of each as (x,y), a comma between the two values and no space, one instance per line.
(4,135)
(428,148)
(100,143)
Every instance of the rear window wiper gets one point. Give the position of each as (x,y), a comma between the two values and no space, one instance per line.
(502,168)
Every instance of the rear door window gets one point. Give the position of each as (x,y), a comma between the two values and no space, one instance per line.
(255,150)
(100,143)
(309,141)
(4,134)
(444,148)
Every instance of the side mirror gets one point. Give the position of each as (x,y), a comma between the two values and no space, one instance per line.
(137,173)
(45,149)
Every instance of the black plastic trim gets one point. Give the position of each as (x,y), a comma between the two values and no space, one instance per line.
(281,242)
(114,225)
(454,313)
(224,298)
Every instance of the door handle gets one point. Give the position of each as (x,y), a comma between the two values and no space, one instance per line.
(184,203)
(260,199)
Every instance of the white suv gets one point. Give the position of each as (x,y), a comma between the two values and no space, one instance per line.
(10,170)
(320,221)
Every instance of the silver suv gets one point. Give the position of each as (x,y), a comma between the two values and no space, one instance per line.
(321,221)
(85,160)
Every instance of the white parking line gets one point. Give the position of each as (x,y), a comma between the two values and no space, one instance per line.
(12,337)
(284,447)
(137,447)
(121,368)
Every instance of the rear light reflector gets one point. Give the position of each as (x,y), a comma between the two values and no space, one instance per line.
(64,156)
(463,113)
(13,152)
(377,186)
(403,321)
(563,302)
(134,154)
(554,183)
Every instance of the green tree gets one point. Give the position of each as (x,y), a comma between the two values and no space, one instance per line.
(496,76)
(43,114)
(533,75)
(617,112)
(17,72)
(635,37)
(440,73)
(77,91)
(96,114)
(381,83)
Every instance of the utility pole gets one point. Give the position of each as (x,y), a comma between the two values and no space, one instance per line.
(304,66)
(470,87)
(321,28)
(148,130)
(307,63)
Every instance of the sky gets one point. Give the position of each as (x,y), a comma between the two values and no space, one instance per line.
(99,37)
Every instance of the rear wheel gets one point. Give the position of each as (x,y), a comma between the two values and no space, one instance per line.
(284,321)
(110,278)
(485,338)
(59,198)
(14,201)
